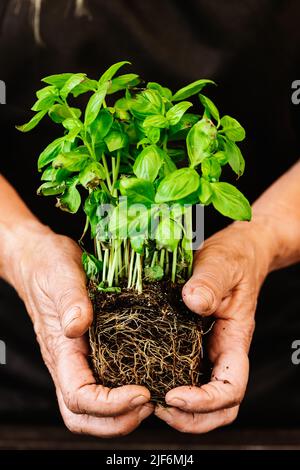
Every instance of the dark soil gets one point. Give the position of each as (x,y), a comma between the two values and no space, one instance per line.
(148,339)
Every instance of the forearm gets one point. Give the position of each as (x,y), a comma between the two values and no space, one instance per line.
(16,224)
(276,220)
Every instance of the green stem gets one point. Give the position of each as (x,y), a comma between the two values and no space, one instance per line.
(131,269)
(108,180)
(105,263)
(188,219)
(174,265)
(139,285)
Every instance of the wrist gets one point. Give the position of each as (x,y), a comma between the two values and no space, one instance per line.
(15,241)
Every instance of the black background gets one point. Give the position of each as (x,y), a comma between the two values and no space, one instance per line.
(251,49)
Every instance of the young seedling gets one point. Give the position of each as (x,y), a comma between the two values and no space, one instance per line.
(137,166)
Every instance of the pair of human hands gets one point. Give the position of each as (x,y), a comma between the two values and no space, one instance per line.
(228,271)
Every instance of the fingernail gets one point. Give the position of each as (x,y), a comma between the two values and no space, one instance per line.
(70,316)
(140,400)
(178,402)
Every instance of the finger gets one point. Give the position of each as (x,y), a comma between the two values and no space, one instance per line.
(225,390)
(103,427)
(71,299)
(214,277)
(80,392)
(196,423)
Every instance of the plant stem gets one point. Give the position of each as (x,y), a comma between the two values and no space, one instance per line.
(188,219)
(108,180)
(174,265)
(131,269)
(105,263)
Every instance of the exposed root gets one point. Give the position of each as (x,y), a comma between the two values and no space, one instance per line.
(148,339)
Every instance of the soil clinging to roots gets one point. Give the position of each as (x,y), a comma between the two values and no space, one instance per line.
(148,339)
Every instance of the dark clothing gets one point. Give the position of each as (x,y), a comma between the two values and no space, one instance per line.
(250,49)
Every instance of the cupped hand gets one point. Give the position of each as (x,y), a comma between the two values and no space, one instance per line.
(47,273)
(228,272)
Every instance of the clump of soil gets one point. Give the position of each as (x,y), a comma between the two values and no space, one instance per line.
(148,339)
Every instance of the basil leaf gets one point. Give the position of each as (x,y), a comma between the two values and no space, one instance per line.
(146,103)
(157,120)
(137,191)
(154,273)
(44,104)
(230,202)
(71,83)
(115,140)
(191,89)
(85,86)
(176,112)
(47,91)
(123,81)
(232,129)
(210,108)
(70,200)
(200,141)
(177,185)
(181,129)
(91,265)
(60,112)
(95,103)
(211,169)
(33,122)
(71,161)
(118,222)
(163,91)
(148,163)
(58,80)
(91,175)
(111,71)
(205,191)
(101,126)
(234,157)
(50,152)
(51,188)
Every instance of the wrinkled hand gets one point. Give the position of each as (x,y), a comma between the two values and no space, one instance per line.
(228,273)
(48,275)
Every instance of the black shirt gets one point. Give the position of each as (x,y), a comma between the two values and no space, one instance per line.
(250,49)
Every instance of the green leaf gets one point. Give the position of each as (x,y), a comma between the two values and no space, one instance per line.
(91,265)
(230,202)
(137,244)
(95,103)
(211,169)
(177,185)
(148,163)
(146,103)
(122,82)
(153,134)
(168,164)
(137,191)
(70,200)
(44,104)
(115,140)
(200,141)
(111,71)
(101,126)
(205,191)
(47,91)
(210,108)
(176,112)
(168,234)
(58,80)
(234,157)
(181,129)
(71,161)
(71,83)
(33,122)
(191,89)
(60,112)
(51,188)
(91,175)
(156,120)
(232,129)
(91,208)
(50,152)
(154,273)
(85,86)
(163,91)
